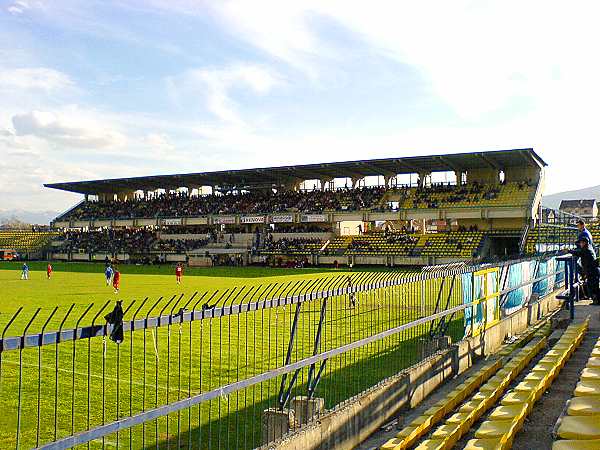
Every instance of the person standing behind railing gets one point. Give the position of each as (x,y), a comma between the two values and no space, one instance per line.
(583,232)
(589,268)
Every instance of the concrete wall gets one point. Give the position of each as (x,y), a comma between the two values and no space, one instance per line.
(352,422)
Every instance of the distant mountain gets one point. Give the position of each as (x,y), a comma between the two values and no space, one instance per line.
(553,201)
(31,217)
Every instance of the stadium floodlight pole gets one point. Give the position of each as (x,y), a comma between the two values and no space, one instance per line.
(37,311)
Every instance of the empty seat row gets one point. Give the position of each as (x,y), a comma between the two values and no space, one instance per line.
(579,428)
(505,421)
(422,424)
(458,424)
(25,240)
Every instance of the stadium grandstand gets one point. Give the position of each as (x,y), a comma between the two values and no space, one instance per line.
(29,244)
(419,210)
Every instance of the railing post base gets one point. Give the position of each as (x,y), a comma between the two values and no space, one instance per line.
(276,423)
(306,409)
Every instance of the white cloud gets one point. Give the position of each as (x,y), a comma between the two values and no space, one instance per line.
(37,78)
(66,130)
(18,7)
(214,87)
(477,57)
(158,143)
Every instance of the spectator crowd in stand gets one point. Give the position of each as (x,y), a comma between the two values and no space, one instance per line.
(135,241)
(472,192)
(290,245)
(182,205)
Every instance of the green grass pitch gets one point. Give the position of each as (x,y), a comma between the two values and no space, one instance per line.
(104,381)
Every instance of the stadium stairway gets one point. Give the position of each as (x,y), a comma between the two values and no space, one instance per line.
(505,408)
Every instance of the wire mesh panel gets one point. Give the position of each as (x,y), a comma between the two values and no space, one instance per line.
(219,369)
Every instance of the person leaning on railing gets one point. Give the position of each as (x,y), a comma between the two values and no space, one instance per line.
(589,268)
(583,232)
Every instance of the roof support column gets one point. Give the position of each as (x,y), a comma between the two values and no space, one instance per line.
(324,181)
(356,180)
(459,175)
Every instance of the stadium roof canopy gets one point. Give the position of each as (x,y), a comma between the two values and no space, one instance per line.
(282,175)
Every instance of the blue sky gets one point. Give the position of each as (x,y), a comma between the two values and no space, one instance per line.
(95,89)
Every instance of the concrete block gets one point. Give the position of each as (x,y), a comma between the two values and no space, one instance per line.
(276,423)
(306,409)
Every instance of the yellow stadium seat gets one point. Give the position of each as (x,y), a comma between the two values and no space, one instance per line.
(584,406)
(591,374)
(432,444)
(513,398)
(591,444)
(586,388)
(579,427)
(496,428)
(485,444)
(593,362)
(509,412)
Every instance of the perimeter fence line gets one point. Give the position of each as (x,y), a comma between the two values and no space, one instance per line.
(208,372)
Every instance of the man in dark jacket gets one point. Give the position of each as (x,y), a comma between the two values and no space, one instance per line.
(583,232)
(589,268)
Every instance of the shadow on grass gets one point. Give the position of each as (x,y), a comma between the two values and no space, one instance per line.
(345,377)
